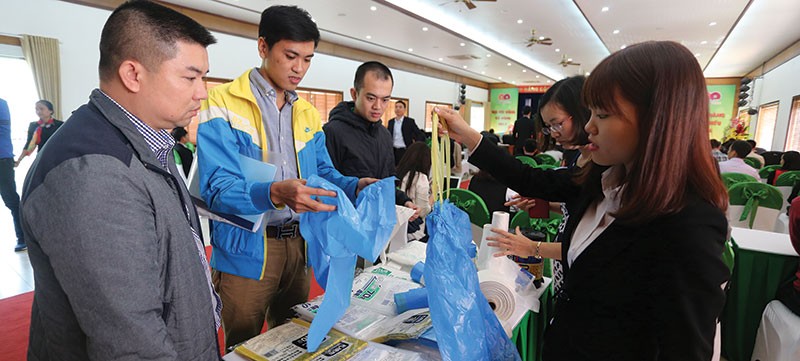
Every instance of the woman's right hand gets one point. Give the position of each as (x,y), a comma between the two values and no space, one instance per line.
(457,127)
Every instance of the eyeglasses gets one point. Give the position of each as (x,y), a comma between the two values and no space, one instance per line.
(557,128)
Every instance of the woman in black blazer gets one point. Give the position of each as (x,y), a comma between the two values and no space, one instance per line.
(643,243)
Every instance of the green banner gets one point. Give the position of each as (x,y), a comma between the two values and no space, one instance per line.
(721,100)
(503,109)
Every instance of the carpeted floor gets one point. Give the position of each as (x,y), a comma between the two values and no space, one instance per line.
(15,318)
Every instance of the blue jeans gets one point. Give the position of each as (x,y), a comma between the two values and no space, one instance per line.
(8,191)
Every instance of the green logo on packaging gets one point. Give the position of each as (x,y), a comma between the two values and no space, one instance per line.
(369,290)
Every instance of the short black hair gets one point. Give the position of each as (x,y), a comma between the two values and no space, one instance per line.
(282,22)
(530,145)
(526,110)
(715,143)
(491,130)
(148,33)
(178,133)
(46,103)
(741,148)
(751,142)
(401,102)
(381,71)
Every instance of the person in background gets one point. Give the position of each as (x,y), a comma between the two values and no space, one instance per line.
(8,184)
(650,218)
(412,175)
(790,161)
(735,163)
(492,191)
(757,150)
(113,237)
(259,115)
(491,136)
(756,153)
(404,131)
(523,129)
(41,130)
(183,150)
(358,143)
(530,148)
(718,155)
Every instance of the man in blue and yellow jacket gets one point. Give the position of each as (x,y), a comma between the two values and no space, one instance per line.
(260,116)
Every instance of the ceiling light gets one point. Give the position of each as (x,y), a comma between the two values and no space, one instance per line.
(483,72)
(712,23)
(703,42)
(373,8)
(524,70)
(513,82)
(509,64)
(604,9)
(548,80)
(424,28)
(462,44)
(369,36)
(519,21)
(500,77)
(623,46)
(541,38)
(557,50)
(696,55)
(410,50)
(537,77)
(440,59)
(616,31)
(569,59)
(464,66)
(488,55)
(587,73)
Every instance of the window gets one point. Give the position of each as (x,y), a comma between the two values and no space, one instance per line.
(388,114)
(323,100)
(429,109)
(793,135)
(765,126)
(18,89)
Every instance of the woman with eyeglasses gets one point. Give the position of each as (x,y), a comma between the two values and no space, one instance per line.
(643,246)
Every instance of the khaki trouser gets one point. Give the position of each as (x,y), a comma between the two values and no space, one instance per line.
(246,302)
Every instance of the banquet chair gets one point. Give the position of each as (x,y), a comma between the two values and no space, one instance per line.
(778,336)
(543,158)
(784,183)
(733,178)
(527,160)
(754,205)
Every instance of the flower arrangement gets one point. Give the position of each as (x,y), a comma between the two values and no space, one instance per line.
(737,130)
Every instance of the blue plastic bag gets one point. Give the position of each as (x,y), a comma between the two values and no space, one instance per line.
(466,327)
(335,238)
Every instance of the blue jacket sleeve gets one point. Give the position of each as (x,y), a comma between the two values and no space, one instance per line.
(222,183)
(326,170)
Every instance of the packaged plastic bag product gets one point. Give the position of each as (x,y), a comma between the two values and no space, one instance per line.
(335,238)
(465,325)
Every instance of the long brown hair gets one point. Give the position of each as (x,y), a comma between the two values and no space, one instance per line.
(417,159)
(664,82)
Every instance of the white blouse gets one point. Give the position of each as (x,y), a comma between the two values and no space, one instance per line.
(598,216)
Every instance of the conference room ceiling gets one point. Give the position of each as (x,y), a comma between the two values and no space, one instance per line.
(489,43)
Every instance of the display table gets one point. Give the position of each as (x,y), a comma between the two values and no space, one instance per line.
(764,260)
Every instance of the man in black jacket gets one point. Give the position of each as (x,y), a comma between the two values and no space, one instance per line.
(357,141)
(523,129)
(404,131)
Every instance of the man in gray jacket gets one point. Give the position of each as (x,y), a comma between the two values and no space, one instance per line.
(119,267)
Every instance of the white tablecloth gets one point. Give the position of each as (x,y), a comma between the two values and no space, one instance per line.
(762,241)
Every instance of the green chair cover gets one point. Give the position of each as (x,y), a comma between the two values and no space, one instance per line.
(753,195)
(728,256)
(765,172)
(471,203)
(788,179)
(732,178)
(755,163)
(527,160)
(548,226)
(546,166)
(542,158)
